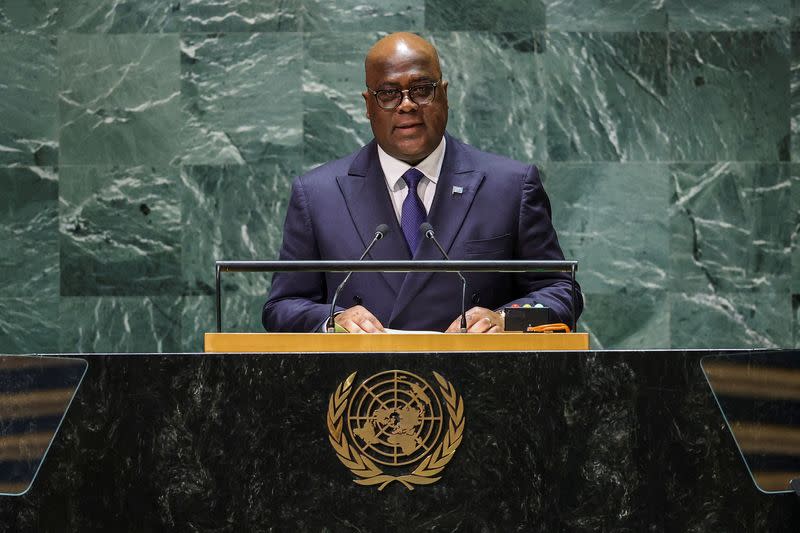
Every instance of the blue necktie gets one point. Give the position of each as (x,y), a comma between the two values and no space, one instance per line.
(413,213)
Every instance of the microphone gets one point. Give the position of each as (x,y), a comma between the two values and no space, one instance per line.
(380,233)
(427,230)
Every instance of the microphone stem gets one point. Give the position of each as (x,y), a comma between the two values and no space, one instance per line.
(330,327)
(463,304)
(429,234)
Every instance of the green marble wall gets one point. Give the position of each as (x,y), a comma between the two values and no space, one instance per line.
(140,140)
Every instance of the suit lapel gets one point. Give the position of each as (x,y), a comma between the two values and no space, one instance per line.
(368,203)
(447,215)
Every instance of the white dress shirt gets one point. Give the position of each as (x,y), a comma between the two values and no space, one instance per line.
(393,170)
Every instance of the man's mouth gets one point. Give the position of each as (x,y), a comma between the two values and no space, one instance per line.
(408,127)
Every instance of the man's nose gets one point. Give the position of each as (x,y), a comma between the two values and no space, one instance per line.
(406,104)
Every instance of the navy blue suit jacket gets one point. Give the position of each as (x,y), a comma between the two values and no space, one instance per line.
(501,213)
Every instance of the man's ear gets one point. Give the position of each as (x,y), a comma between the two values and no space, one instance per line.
(366,96)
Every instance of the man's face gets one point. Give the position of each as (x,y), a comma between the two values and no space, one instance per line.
(409,132)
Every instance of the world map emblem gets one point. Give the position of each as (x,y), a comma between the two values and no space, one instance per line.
(395,426)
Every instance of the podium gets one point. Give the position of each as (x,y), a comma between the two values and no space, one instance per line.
(567,440)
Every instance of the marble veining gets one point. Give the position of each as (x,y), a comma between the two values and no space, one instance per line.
(728,96)
(239,103)
(496,79)
(29,264)
(728,15)
(29,125)
(587,199)
(120,231)
(607,96)
(359,15)
(230,212)
(119,324)
(119,99)
(476,15)
(728,229)
(607,15)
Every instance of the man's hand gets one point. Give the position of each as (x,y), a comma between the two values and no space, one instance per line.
(479,320)
(358,320)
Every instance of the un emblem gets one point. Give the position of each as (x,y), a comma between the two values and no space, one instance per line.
(394,427)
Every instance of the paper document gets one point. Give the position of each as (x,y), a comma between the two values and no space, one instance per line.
(409,331)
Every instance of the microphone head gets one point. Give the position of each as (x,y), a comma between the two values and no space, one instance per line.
(426,229)
(381,231)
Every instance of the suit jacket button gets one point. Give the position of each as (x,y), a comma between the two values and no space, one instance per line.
(357,299)
(476,298)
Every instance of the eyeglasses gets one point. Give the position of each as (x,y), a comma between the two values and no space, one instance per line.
(421,94)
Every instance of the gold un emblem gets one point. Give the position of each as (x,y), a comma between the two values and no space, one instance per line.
(392,428)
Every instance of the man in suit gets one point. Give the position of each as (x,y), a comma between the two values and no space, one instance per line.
(482,206)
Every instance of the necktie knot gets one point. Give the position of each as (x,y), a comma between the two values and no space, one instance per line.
(412,177)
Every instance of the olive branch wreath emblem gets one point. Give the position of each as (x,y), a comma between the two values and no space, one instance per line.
(428,470)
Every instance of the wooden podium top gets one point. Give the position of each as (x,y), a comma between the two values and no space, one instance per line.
(392,342)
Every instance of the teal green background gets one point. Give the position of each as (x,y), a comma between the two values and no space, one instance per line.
(142,140)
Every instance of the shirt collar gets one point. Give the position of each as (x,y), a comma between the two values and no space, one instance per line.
(393,169)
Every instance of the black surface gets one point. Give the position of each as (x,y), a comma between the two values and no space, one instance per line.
(596,441)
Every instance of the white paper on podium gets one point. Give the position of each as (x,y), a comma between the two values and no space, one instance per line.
(408,331)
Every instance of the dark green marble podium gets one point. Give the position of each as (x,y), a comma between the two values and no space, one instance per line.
(553,441)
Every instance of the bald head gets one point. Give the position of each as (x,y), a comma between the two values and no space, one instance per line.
(406,67)
(399,46)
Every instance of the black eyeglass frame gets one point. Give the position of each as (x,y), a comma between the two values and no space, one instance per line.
(405,93)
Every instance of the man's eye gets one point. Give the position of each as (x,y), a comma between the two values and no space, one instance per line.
(421,90)
(388,94)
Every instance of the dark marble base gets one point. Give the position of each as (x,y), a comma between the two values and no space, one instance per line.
(597,441)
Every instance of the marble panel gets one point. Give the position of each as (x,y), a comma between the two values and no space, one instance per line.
(120,231)
(119,99)
(612,218)
(501,16)
(118,16)
(496,91)
(627,320)
(202,16)
(729,96)
(728,15)
(120,324)
(606,15)
(241,97)
(731,227)
(29,16)
(234,213)
(795,96)
(29,258)
(360,15)
(29,324)
(28,105)
(607,96)
(334,119)
(703,319)
(795,238)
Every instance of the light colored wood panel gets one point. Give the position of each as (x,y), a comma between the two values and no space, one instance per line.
(394,342)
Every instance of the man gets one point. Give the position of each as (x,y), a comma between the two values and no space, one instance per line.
(482,206)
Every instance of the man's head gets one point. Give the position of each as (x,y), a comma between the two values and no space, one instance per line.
(403,61)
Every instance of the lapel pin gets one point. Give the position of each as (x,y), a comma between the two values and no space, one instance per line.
(457,189)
